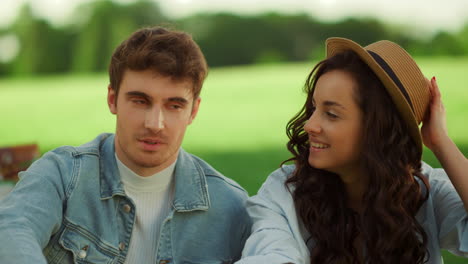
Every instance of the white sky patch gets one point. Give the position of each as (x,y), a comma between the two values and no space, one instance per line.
(8,11)
(327,3)
(56,11)
(9,47)
(429,15)
(183,2)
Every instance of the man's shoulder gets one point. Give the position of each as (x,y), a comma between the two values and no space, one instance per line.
(62,159)
(216,180)
(92,147)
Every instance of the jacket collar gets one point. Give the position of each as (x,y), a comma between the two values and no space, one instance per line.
(191,188)
(111,183)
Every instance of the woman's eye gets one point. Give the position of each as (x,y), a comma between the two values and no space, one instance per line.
(330,114)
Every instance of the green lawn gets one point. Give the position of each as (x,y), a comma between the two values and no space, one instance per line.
(240,126)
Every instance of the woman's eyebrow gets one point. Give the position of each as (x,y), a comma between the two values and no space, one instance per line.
(333,103)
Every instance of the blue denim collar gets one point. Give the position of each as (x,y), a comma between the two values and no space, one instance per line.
(191,188)
(111,184)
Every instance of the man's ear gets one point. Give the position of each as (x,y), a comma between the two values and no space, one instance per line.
(112,100)
(195,107)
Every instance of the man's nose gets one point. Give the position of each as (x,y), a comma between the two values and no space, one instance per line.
(154,119)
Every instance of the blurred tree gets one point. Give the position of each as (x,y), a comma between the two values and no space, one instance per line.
(228,39)
(445,43)
(24,27)
(4,65)
(463,38)
(109,24)
(363,31)
(86,44)
(43,49)
(293,35)
(419,47)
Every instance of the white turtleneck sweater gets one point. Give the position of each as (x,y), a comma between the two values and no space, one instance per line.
(152,197)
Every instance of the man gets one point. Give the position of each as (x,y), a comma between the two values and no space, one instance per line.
(136,196)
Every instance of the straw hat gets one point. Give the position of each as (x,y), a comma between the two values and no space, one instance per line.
(398,72)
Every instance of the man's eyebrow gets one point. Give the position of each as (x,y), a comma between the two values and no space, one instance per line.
(139,94)
(178,100)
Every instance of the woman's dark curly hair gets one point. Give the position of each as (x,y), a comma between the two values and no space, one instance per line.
(387,225)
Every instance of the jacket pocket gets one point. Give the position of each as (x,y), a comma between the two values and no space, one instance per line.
(87,248)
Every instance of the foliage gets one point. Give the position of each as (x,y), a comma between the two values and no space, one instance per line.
(108,25)
(86,44)
(44,49)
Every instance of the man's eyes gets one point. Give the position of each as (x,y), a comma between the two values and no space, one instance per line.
(169,105)
(139,101)
(175,106)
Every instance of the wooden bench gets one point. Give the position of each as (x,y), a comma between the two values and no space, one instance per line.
(15,159)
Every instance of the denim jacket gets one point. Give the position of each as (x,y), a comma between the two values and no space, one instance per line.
(278,235)
(70,207)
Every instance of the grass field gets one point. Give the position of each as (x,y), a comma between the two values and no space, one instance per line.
(240,126)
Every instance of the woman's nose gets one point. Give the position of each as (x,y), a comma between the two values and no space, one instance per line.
(312,125)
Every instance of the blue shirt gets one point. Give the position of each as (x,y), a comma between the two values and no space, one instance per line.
(70,207)
(278,236)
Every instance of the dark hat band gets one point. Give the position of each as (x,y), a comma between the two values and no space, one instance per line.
(392,75)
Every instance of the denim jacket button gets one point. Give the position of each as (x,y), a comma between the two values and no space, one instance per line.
(82,254)
(127,208)
(121,246)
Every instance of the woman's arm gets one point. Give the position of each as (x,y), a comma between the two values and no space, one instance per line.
(276,237)
(435,137)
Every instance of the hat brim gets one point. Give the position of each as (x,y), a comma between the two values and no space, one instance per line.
(338,45)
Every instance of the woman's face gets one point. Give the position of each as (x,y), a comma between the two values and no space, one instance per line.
(335,127)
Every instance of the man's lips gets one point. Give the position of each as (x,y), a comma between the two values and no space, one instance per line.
(151,141)
(151,144)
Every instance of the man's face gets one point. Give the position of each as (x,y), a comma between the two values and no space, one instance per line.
(153,113)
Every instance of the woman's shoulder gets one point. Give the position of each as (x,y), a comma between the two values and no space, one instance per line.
(282,173)
(279,176)
(435,176)
(274,185)
(441,190)
(443,212)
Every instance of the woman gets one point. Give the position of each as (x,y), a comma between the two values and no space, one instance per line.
(358,191)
